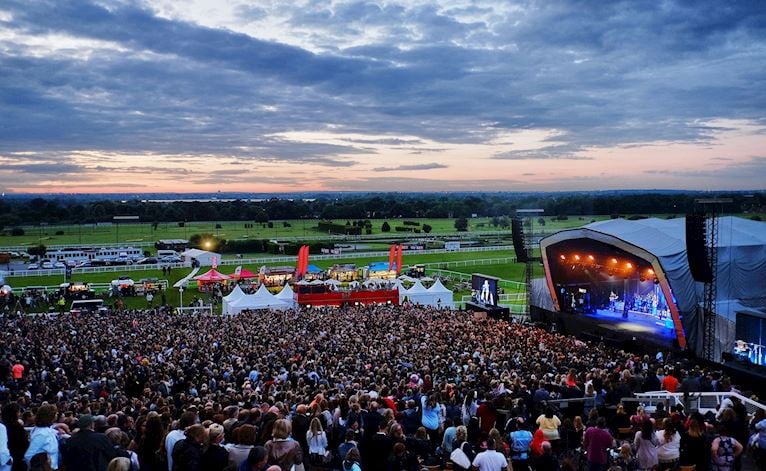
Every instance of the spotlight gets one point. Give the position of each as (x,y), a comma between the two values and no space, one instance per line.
(614,260)
(577,257)
(629,266)
(590,257)
(562,257)
(650,271)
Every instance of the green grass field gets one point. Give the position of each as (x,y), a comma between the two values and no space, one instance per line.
(235,230)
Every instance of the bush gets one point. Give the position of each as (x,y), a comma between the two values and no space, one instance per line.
(403,229)
(218,226)
(17,231)
(286,224)
(243,246)
(38,250)
(270,225)
(332,228)
(386,227)
(461,224)
(636,217)
(410,223)
(755,218)
(181,224)
(59,232)
(368,231)
(562,217)
(427,228)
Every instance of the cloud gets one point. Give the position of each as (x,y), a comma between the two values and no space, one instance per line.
(541,154)
(156,78)
(413,167)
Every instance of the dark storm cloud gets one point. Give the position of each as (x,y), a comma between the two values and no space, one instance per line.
(606,73)
(429,166)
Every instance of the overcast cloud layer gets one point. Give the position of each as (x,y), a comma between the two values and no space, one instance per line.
(387,95)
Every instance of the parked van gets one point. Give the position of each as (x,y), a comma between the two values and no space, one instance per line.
(166,253)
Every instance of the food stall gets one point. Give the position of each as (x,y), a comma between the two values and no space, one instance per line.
(123,286)
(76,290)
(379,270)
(148,285)
(209,280)
(343,273)
(276,276)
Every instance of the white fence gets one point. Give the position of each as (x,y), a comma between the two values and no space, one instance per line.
(270,260)
(206,310)
(85,270)
(347,255)
(96,287)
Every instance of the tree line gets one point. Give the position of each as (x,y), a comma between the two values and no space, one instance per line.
(59,210)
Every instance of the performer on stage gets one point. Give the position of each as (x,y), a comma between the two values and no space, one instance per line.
(742,350)
(613,301)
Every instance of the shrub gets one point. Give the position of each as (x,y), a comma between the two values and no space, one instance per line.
(386,227)
(17,231)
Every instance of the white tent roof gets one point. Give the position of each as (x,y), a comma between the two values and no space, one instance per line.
(235,294)
(286,294)
(417,288)
(438,287)
(262,299)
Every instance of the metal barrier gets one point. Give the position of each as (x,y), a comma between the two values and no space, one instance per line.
(702,401)
(206,310)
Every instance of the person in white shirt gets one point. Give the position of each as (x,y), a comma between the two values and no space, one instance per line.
(491,460)
(669,444)
(317,440)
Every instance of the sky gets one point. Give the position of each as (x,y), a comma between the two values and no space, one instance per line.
(345,95)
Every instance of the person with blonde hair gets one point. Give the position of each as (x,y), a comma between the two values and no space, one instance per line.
(281,450)
(215,457)
(317,441)
(119,464)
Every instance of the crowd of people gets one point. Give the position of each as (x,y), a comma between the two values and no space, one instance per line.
(379,388)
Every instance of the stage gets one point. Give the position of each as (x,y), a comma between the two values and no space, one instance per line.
(611,327)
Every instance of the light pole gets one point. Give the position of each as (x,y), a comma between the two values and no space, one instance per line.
(181,294)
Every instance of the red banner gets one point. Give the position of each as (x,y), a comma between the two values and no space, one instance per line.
(399,260)
(391,257)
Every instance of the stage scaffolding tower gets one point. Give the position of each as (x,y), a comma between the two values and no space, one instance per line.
(712,207)
(528,216)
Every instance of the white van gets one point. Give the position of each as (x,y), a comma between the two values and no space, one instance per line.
(166,253)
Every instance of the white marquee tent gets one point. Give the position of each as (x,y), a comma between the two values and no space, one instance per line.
(442,294)
(287,296)
(262,299)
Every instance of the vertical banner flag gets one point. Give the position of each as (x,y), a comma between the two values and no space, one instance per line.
(391,258)
(306,259)
(399,260)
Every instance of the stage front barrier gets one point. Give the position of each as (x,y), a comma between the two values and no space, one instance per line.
(702,401)
(206,310)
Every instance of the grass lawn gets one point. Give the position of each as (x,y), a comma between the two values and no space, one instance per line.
(235,230)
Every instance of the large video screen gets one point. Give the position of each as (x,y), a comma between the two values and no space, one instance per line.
(484,289)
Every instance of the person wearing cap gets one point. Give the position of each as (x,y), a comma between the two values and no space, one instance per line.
(88,450)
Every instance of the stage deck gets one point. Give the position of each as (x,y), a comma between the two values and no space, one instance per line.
(639,325)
